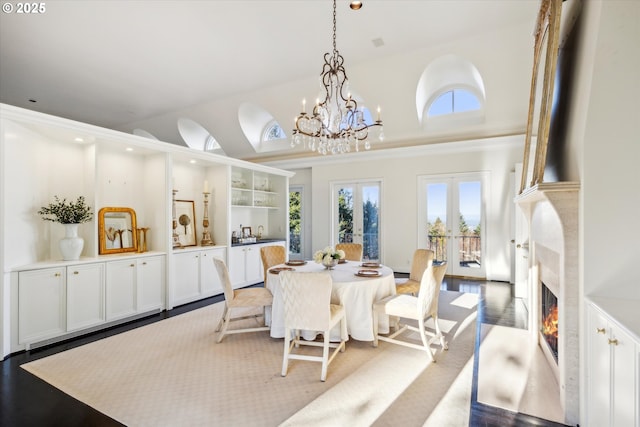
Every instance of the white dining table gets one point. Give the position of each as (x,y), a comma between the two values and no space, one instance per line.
(356,294)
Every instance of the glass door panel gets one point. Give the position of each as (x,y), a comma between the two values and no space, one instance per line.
(357,216)
(451,213)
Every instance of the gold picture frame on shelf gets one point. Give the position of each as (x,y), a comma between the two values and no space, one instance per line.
(186,219)
(545,58)
(117,230)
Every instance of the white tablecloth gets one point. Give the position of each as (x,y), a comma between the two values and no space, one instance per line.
(356,294)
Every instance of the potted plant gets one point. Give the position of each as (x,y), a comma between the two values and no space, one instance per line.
(70,214)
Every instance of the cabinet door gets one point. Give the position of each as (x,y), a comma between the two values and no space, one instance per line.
(599,369)
(253,265)
(150,283)
(85,296)
(209,279)
(237,266)
(186,287)
(41,304)
(121,289)
(625,397)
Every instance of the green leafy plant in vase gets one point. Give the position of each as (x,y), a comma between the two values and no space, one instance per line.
(70,214)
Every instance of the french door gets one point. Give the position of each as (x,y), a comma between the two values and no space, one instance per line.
(296,223)
(356,216)
(451,221)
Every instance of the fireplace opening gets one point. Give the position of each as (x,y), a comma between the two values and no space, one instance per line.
(549,320)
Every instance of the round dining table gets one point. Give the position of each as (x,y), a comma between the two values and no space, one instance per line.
(351,290)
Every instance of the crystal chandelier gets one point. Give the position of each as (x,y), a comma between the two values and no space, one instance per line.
(336,125)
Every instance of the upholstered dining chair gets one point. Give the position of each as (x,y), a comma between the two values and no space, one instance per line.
(352,251)
(237,298)
(422,258)
(307,306)
(419,309)
(271,255)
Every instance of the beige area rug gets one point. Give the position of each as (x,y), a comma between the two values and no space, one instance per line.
(513,374)
(173,373)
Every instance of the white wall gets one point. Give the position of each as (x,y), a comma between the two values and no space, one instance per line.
(610,174)
(399,171)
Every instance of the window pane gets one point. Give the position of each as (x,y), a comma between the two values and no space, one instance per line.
(465,101)
(442,105)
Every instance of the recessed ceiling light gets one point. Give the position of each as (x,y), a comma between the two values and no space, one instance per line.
(129,149)
(192,161)
(78,139)
(378,42)
(355,5)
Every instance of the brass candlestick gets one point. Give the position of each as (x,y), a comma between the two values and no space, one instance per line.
(206,236)
(175,238)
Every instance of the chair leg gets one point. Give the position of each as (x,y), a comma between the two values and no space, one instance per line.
(325,356)
(344,335)
(375,327)
(225,324)
(439,334)
(425,341)
(224,313)
(287,349)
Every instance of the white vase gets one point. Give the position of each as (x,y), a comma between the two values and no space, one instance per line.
(71,245)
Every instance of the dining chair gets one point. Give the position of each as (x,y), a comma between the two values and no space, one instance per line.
(419,309)
(271,255)
(352,251)
(240,298)
(422,258)
(307,306)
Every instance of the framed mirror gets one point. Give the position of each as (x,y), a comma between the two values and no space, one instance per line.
(545,57)
(117,230)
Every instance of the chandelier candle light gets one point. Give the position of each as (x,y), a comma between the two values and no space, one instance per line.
(336,124)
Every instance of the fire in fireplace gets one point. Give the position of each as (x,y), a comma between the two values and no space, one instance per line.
(549,320)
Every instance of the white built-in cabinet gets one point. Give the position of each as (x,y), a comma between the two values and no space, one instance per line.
(613,371)
(245,266)
(195,274)
(44,156)
(41,304)
(85,296)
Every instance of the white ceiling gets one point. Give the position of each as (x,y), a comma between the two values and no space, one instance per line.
(118,64)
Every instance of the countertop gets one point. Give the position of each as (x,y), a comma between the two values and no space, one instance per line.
(258,242)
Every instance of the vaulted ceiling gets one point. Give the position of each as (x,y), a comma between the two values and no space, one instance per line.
(131,65)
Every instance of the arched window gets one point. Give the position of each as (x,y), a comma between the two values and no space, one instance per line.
(453,101)
(450,92)
(273,131)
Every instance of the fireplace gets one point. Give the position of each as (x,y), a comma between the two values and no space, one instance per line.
(549,328)
(551,211)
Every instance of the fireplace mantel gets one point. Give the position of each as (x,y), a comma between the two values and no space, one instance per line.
(546,191)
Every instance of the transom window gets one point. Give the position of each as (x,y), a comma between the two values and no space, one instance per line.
(454,101)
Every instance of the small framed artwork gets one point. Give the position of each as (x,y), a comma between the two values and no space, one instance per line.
(186,219)
(246,232)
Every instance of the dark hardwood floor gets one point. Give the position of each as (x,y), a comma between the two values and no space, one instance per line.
(28,401)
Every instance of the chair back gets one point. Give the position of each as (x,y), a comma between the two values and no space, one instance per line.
(223,273)
(422,258)
(307,300)
(352,251)
(439,272)
(271,255)
(429,293)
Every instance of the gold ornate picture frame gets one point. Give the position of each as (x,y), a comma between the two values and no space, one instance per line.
(547,34)
(117,230)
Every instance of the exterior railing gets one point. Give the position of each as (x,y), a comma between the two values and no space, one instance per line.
(469,248)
